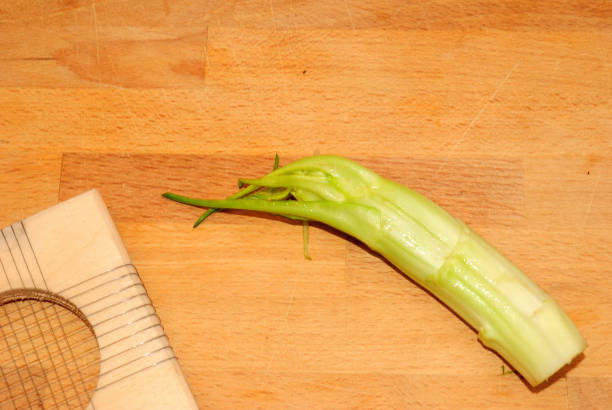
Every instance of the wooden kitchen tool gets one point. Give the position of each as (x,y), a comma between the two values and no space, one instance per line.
(77,329)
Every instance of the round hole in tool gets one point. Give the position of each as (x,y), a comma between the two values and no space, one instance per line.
(49,355)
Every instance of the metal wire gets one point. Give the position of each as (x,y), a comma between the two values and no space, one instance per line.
(48,319)
(65,345)
(27,329)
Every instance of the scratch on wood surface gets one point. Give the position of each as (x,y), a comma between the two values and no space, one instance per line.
(205,49)
(45,16)
(476,117)
(27,59)
(593,194)
(232,49)
(286,320)
(400,8)
(299,44)
(609,81)
(567,393)
(395,384)
(337,387)
(132,114)
(348,10)
(97,38)
(278,50)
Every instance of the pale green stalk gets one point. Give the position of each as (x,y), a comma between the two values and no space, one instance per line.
(512,315)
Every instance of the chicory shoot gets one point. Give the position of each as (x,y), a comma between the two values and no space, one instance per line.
(511,314)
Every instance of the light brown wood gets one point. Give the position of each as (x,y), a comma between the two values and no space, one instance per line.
(499,112)
(73,250)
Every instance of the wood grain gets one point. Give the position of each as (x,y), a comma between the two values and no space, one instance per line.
(495,184)
(499,112)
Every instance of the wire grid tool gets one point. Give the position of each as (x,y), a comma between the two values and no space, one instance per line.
(77,327)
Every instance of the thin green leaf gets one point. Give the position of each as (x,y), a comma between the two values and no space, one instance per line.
(305,234)
(241,185)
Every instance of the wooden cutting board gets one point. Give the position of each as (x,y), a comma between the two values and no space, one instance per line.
(499,111)
(73,252)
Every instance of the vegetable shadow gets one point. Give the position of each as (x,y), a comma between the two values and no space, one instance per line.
(560,374)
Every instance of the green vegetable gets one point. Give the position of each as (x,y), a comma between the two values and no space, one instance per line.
(512,315)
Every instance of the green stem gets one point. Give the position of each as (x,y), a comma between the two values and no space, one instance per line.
(305,241)
(243,192)
(510,312)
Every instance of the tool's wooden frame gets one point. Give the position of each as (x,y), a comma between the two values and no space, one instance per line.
(74,250)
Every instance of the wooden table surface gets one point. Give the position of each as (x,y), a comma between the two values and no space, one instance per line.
(499,112)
